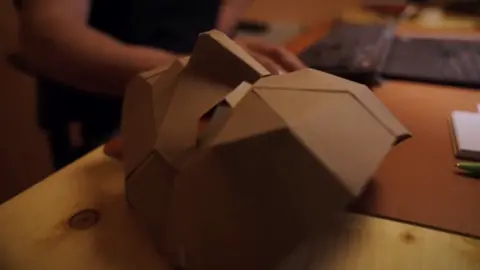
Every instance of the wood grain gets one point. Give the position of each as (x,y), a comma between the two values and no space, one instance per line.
(35,232)
(370,243)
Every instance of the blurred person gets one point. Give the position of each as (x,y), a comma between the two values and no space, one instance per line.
(85,51)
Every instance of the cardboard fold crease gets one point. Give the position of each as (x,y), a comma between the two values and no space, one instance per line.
(234,167)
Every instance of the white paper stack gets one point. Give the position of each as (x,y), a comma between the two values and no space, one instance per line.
(466,133)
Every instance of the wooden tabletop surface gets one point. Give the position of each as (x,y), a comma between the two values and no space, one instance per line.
(417,182)
(36,232)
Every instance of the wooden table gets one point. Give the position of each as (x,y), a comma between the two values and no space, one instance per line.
(35,232)
(417,183)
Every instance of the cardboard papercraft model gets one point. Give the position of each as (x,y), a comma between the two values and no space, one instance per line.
(231,167)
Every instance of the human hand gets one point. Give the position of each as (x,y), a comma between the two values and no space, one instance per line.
(113,148)
(277,59)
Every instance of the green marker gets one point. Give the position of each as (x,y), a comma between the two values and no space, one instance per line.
(470,167)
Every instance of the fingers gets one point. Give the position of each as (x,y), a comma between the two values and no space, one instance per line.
(113,148)
(268,63)
(278,54)
(287,59)
(283,57)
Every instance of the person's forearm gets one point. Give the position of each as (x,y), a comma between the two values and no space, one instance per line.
(85,58)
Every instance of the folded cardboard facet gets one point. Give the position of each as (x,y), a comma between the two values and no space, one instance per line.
(230,167)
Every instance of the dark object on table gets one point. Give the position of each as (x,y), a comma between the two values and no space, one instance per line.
(353,51)
(469,7)
(442,61)
(252,26)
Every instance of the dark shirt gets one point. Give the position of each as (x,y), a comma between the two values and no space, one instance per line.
(172,25)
